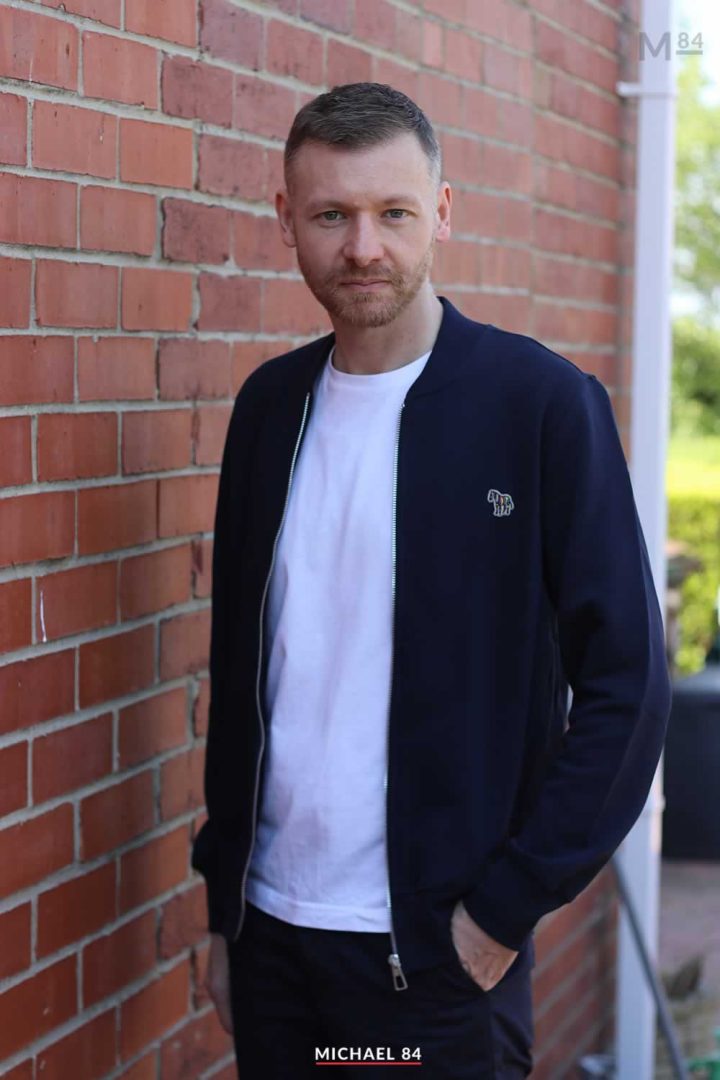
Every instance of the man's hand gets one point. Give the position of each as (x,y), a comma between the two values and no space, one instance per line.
(485,959)
(217,980)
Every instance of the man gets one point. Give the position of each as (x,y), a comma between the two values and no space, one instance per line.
(425,531)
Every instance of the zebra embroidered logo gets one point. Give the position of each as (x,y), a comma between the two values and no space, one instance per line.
(503,505)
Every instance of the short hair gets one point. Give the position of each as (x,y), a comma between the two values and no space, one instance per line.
(362,114)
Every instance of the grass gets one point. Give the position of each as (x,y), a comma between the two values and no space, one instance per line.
(693,465)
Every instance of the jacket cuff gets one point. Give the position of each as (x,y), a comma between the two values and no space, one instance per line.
(508,902)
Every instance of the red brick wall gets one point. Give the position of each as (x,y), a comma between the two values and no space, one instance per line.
(141,278)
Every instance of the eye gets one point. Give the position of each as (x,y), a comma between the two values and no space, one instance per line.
(397,210)
(325,212)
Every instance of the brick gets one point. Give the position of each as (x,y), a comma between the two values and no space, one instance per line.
(501,265)
(15,614)
(21,1072)
(75,445)
(116,815)
(395,74)
(183,923)
(119,958)
(89,1051)
(33,691)
(156,154)
(38,49)
(116,369)
(112,219)
(73,139)
(507,169)
(159,865)
(15,933)
(480,111)
(104,11)
(332,14)
(247,355)
(75,909)
(32,850)
(155,1008)
(155,299)
(37,1005)
(76,294)
(116,665)
(34,211)
(200,711)
(200,955)
(187,505)
(160,439)
(263,107)
(152,726)
(210,433)
(36,369)
(72,757)
(194,1047)
(229,303)
(258,245)
(195,233)
(201,568)
(558,139)
(70,601)
(195,90)
(145,1069)
(181,783)
(15,292)
(557,232)
(117,516)
(184,643)
(347,63)
(232,167)
(294,53)
(37,527)
(13,129)
(173,20)
(190,368)
(230,33)
(120,70)
(155,581)
(564,52)
(289,303)
(15,451)
(13,782)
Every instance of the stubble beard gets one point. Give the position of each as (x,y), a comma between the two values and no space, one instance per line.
(366,309)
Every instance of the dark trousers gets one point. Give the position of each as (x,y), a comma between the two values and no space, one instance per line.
(300,993)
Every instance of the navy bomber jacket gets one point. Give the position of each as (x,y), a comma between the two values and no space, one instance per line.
(520,567)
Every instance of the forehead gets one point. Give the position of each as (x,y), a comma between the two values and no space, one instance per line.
(393,166)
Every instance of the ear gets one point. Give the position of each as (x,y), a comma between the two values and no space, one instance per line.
(282,209)
(442,213)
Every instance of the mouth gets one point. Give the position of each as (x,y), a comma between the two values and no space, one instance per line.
(364,284)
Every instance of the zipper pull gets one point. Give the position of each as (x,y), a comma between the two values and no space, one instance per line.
(399,980)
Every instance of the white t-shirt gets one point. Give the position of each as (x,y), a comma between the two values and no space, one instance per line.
(319,857)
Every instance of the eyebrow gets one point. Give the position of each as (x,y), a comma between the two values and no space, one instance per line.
(316,204)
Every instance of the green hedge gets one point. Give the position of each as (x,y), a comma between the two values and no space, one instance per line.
(695,519)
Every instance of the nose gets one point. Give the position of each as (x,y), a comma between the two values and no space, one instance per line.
(362,243)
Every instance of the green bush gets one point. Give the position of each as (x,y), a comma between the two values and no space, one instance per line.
(695,519)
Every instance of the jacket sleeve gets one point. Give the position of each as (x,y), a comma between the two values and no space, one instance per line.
(229,519)
(612,643)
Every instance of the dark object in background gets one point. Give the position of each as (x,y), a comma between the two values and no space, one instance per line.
(691,769)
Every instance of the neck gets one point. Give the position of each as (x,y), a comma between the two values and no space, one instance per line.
(369,350)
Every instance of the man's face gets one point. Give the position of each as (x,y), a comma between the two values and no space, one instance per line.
(364,216)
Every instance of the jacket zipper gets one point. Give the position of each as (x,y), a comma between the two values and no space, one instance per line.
(398,976)
(259,666)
